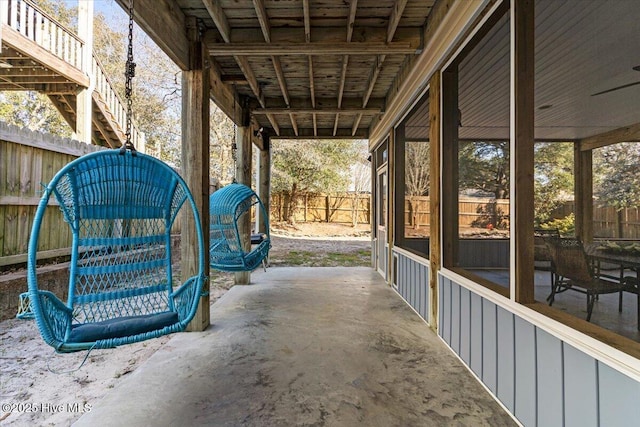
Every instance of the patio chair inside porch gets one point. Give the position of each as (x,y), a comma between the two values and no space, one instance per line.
(572,271)
(541,255)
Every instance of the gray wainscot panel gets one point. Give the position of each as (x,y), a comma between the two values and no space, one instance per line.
(465,325)
(455,317)
(506,358)
(526,372)
(580,388)
(539,378)
(446,310)
(476,334)
(413,284)
(490,345)
(550,379)
(619,398)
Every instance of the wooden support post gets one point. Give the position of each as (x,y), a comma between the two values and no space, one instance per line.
(397,159)
(195,166)
(264,178)
(243,176)
(583,189)
(434,196)
(522,142)
(84,108)
(450,208)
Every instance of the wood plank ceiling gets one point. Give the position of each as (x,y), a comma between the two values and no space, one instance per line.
(311,68)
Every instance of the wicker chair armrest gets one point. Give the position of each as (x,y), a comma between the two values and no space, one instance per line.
(58,318)
(183,298)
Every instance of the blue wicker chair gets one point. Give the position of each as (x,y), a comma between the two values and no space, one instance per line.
(120,207)
(226,207)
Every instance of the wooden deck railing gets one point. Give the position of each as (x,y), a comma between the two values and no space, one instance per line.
(115,105)
(26,18)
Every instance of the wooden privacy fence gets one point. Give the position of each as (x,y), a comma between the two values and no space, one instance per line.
(609,222)
(477,212)
(341,208)
(28,159)
(480,212)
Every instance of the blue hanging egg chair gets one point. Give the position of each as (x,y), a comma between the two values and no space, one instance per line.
(226,208)
(120,207)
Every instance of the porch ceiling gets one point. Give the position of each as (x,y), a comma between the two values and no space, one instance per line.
(309,68)
(587,82)
(587,73)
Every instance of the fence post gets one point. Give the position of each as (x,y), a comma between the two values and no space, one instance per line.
(306,206)
(326,207)
(619,220)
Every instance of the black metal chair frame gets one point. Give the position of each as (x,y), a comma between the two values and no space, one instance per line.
(572,271)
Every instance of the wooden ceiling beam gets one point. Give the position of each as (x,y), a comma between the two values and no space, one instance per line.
(394,19)
(292,117)
(307,20)
(281,79)
(219,18)
(343,79)
(335,34)
(322,133)
(312,90)
(222,24)
(356,123)
(164,23)
(274,123)
(629,133)
(244,65)
(263,19)
(240,80)
(373,78)
(224,95)
(353,7)
(339,48)
(345,111)
(315,125)
(324,103)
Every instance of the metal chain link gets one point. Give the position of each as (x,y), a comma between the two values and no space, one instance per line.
(234,145)
(130,72)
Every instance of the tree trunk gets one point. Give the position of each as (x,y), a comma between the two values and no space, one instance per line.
(291,211)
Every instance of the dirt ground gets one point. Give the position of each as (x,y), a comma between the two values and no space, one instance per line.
(40,387)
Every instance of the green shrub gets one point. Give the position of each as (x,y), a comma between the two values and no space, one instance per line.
(566,226)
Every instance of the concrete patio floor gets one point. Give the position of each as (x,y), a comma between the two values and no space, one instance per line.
(319,346)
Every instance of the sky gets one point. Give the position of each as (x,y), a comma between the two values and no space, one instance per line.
(109,8)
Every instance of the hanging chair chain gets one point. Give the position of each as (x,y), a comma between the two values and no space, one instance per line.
(130,72)
(234,152)
(234,145)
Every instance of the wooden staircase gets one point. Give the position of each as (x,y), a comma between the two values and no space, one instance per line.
(39,54)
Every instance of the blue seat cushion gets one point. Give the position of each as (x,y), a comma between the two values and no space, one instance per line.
(121,327)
